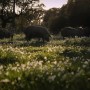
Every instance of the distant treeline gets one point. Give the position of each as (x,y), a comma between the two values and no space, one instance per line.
(75,13)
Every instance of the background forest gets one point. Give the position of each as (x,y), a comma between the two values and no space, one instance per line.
(20,13)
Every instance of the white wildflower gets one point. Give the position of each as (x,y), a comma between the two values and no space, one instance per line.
(84,66)
(49,50)
(5,80)
(51,78)
(45,58)
(59,74)
(88,50)
(14,68)
(62,69)
(74,58)
(19,78)
(7,73)
(55,62)
(72,73)
(1,67)
(86,62)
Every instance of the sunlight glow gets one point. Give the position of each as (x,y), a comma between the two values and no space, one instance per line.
(53,3)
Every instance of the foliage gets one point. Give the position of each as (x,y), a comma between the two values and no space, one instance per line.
(58,65)
(79,12)
(75,13)
(48,17)
(29,10)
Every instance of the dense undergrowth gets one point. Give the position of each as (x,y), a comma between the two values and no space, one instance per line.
(57,65)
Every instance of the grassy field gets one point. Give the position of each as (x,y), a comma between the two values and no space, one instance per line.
(56,65)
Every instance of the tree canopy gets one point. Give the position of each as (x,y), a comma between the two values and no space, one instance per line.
(29,10)
(75,13)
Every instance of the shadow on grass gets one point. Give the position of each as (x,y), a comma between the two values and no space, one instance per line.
(6,61)
(24,43)
(34,44)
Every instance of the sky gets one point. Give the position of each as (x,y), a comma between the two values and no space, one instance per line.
(53,3)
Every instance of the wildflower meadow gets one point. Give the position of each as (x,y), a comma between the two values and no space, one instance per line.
(57,65)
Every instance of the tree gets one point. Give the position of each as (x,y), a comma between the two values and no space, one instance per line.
(29,10)
(79,12)
(31,13)
(49,15)
(4,5)
(75,13)
(60,21)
